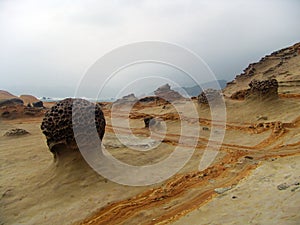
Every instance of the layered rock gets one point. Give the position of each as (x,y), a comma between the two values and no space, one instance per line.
(282,65)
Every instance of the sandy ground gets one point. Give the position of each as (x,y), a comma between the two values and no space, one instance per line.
(36,190)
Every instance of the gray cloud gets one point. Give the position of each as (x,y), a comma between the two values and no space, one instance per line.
(47,46)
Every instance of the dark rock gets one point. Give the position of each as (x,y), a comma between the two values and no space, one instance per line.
(265,88)
(58,123)
(10,102)
(38,104)
(248,157)
(147,121)
(5,114)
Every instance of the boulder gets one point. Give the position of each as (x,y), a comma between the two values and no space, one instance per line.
(58,123)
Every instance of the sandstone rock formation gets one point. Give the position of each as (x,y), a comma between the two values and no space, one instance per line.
(28,99)
(258,89)
(165,92)
(265,88)
(282,65)
(57,124)
(126,99)
(209,96)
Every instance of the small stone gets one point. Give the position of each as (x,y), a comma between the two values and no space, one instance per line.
(248,157)
(283,186)
(222,190)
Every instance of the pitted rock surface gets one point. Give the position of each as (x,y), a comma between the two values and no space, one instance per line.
(16,132)
(58,123)
(264,87)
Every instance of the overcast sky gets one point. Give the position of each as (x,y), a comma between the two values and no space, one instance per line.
(47,46)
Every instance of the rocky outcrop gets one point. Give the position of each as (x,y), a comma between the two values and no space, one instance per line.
(209,96)
(11,102)
(126,99)
(282,65)
(165,92)
(58,123)
(265,88)
(258,89)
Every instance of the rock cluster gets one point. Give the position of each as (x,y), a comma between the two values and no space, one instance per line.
(58,123)
(264,88)
(276,127)
(165,92)
(209,96)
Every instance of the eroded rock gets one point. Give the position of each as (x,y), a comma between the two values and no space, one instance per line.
(16,132)
(209,96)
(58,123)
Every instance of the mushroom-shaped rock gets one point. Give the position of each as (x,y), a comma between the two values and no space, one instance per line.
(67,114)
(165,92)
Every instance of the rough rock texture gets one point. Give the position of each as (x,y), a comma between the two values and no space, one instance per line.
(265,88)
(209,95)
(16,132)
(240,95)
(165,92)
(258,89)
(283,65)
(57,124)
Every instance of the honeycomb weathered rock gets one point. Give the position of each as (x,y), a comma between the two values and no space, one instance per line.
(58,123)
(264,88)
